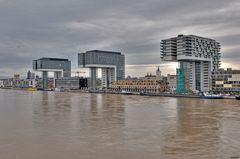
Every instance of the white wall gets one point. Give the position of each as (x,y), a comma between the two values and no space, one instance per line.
(1,83)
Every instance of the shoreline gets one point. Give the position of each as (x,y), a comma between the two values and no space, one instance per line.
(149,94)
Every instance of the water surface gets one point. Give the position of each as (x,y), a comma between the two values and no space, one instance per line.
(57,125)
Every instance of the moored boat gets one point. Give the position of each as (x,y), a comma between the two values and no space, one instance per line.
(228,97)
(31,89)
(212,96)
(61,89)
(237,97)
(126,92)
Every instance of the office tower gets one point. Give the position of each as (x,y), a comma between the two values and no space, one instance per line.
(60,67)
(111,63)
(29,75)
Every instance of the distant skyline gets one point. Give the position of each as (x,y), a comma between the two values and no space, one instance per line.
(31,29)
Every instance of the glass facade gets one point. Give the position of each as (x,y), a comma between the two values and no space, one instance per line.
(72,83)
(180,81)
(53,64)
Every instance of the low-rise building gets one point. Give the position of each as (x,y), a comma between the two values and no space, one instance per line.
(1,83)
(172,82)
(140,85)
(226,81)
(27,83)
(72,83)
(8,83)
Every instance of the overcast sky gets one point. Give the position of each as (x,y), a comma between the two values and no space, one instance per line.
(30,29)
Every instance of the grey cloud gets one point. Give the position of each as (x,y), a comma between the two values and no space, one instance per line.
(61,28)
(230,40)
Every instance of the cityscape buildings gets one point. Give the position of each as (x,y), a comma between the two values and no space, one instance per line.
(197,57)
(150,83)
(149,76)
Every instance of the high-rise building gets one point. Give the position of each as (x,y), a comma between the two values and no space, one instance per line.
(29,75)
(197,57)
(111,63)
(32,75)
(60,67)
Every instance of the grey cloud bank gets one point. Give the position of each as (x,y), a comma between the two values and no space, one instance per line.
(30,29)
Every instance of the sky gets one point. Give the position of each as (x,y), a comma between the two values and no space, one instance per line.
(31,29)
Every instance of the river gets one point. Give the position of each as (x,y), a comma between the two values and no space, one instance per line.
(58,125)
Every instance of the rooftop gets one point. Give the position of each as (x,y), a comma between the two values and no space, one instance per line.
(102,51)
(182,35)
(53,59)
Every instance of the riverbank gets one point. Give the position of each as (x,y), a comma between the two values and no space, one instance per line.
(129,93)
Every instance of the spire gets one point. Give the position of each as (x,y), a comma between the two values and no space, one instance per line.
(158,72)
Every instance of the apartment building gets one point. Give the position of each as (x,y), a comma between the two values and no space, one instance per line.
(197,57)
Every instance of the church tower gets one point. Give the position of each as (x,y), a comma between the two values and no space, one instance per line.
(158,72)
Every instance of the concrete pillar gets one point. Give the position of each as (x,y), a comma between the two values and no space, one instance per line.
(45,79)
(111,76)
(108,76)
(57,75)
(104,77)
(93,78)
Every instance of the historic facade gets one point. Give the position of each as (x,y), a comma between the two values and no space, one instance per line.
(140,85)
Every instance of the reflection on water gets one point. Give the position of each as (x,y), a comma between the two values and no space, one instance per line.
(76,125)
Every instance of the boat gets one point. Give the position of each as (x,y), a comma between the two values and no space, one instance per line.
(237,97)
(31,89)
(126,92)
(212,96)
(228,96)
(61,89)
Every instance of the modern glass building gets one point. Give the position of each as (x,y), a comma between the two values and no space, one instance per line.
(180,80)
(60,67)
(111,63)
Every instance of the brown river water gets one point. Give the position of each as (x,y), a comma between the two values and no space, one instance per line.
(57,125)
